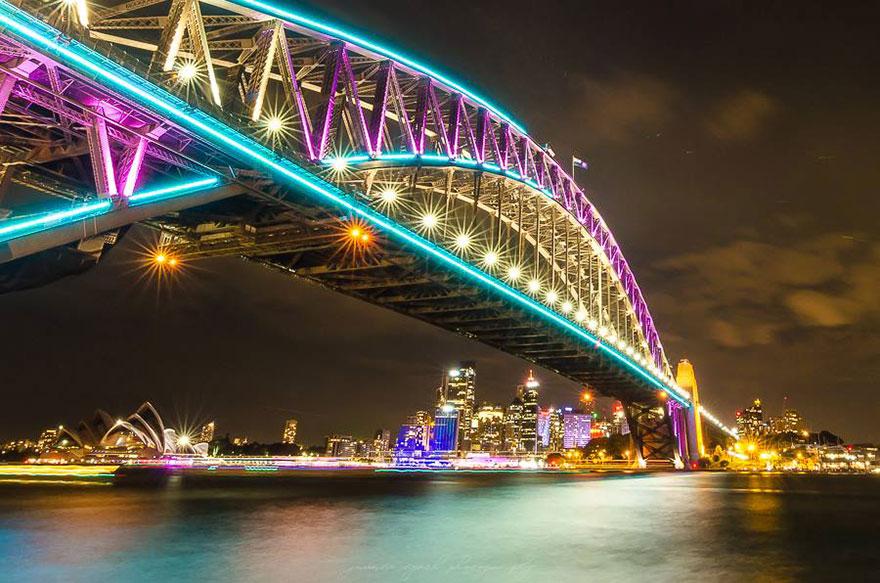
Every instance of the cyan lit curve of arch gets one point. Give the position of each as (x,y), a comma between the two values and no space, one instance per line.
(335,31)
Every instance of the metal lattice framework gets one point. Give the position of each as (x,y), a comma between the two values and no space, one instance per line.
(383,136)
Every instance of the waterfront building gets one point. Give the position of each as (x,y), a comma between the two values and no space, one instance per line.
(17,446)
(444,436)
(619,425)
(513,426)
(289,434)
(544,417)
(415,434)
(340,446)
(48,438)
(789,422)
(576,428)
(489,434)
(460,392)
(206,433)
(381,442)
(528,393)
(750,421)
(240,440)
(556,430)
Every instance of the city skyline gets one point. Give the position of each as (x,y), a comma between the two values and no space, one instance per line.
(529,434)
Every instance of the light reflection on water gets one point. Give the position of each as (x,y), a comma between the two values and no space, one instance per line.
(683,527)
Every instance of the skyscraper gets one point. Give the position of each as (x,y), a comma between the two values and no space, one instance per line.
(556,430)
(789,422)
(544,420)
(513,426)
(489,435)
(460,393)
(444,436)
(289,434)
(576,428)
(750,421)
(528,392)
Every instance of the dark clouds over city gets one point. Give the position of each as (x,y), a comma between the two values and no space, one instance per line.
(733,151)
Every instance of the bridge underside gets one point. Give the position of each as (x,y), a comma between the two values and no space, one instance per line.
(306,241)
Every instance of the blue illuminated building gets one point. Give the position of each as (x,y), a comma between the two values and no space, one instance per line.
(445,434)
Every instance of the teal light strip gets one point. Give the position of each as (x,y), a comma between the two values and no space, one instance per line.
(29,226)
(45,221)
(335,31)
(91,63)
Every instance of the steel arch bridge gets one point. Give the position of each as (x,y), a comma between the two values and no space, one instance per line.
(237,127)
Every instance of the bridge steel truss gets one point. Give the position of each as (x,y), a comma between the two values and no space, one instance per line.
(423,160)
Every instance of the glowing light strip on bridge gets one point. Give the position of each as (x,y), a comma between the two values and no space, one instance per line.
(87,60)
(337,32)
(42,222)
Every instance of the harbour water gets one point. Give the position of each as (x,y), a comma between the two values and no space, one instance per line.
(447,527)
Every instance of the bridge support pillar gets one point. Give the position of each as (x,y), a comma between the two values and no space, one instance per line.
(653,433)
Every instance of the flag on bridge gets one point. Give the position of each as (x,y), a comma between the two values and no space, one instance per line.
(577,162)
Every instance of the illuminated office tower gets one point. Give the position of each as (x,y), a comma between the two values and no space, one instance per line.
(340,446)
(789,422)
(415,434)
(513,426)
(489,434)
(460,392)
(289,434)
(381,441)
(544,420)
(529,420)
(444,434)
(575,428)
(556,430)
(750,421)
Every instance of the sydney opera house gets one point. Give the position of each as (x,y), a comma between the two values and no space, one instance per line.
(142,434)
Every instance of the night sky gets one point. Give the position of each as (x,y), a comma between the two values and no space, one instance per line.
(733,150)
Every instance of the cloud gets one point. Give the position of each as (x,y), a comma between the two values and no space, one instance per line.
(624,106)
(752,293)
(741,116)
(819,309)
